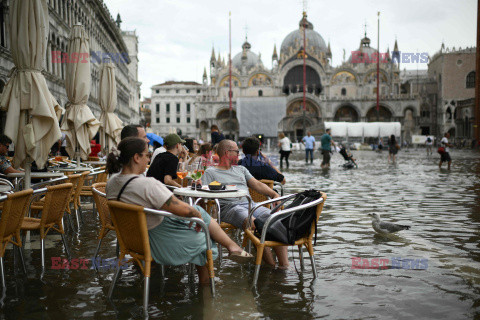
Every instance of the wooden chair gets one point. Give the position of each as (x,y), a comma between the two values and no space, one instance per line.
(100,199)
(93,158)
(261,243)
(94,177)
(132,234)
(258,197)
(14,209)
(55,204)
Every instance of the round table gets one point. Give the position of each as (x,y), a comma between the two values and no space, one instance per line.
(70,169)
(36,175)
(95,163)
(216,195)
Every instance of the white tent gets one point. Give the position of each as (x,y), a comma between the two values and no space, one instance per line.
(364,129)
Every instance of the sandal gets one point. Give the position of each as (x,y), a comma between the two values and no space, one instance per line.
(241,257)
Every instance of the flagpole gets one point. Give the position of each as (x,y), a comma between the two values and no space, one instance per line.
(304,71)
(378,66)
(230,72)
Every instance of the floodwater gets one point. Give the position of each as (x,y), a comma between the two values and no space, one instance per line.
(442,207)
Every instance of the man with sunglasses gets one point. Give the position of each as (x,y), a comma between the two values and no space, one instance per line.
(5,165)
(235,211)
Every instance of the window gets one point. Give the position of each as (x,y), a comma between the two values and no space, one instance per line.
(157,91)
(198,90)
(260,93)
(168,120)
(177,91)
(188,107)
(187,91)
(188,120)
(157,107)
(178,120)
(168,107)
(344,92)
(158,120)
(471,80)
(178,107)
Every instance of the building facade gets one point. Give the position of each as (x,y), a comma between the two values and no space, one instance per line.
(105,38)
(173,108)
(343,93)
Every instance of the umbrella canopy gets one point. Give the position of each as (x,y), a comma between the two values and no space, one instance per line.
(153,137)
(111,124)
(32,112)
(79,123)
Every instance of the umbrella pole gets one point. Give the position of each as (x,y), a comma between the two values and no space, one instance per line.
(77,154)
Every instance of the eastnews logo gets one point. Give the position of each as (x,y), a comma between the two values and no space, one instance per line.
(98,263)
(398,57)
(394,263)
(96,57)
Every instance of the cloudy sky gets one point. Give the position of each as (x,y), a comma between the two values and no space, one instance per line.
(176,36)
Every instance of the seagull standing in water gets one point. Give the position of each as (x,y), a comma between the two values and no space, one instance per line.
(385,227)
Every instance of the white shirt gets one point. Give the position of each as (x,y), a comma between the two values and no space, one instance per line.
(444,144)
(285,144)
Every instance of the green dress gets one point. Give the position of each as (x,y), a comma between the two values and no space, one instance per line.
(173,243)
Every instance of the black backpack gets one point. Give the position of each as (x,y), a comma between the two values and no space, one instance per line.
(292,228)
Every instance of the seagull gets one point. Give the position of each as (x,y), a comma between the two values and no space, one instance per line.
(385,227)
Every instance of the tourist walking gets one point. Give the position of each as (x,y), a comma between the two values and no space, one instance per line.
(428,145)
(285,149)
(326,141)
(392,148)
(309,143)
(445,156)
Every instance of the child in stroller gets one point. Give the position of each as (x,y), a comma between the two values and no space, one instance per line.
(350,161)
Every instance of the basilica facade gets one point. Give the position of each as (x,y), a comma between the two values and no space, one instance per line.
(343,93)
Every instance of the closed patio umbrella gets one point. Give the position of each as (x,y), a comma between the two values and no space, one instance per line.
(32,112)
(79,123)
(111,124)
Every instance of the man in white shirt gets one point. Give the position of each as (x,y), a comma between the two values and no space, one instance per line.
(445,157)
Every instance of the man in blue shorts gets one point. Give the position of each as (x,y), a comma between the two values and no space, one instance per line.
(235,210)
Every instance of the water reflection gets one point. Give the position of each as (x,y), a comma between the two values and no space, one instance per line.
(442,207)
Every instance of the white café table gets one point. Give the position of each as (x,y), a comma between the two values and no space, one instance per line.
(69,169)
(215,195)
(95,163)
(33,175)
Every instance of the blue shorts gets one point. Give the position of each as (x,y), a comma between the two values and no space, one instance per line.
(237,214)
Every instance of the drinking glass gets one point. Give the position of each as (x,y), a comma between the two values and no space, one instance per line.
(182,171)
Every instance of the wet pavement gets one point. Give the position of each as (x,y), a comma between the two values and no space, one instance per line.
(442,279)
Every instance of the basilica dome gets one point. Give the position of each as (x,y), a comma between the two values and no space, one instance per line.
(246,58)
(363,53)
(294,40)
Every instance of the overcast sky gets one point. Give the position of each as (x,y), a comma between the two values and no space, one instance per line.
(176,36)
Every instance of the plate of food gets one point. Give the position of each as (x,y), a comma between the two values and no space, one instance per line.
(216,186)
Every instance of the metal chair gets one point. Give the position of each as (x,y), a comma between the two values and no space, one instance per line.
(15,207)
(55,204)
(100,199)
(261,243)
(132,234)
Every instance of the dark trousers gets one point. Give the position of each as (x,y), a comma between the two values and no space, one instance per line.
(284,155)
(307,151)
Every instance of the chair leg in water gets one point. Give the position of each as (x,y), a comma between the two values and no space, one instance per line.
(300,252)
(1,270)
(78,220)
(258,263)
(98,248)
(312,260)
(146,291)
(66,247)
(21,258)
(114,281)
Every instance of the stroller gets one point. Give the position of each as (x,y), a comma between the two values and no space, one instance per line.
(349,160)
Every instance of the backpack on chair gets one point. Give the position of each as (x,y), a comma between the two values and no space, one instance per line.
(295,226)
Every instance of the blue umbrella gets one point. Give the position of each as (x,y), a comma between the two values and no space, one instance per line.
(153,137)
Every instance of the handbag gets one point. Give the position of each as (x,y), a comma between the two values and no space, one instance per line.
(295,226)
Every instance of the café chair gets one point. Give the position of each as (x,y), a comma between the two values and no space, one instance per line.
(132,234)
(15,207)
(100,199)
(260,242)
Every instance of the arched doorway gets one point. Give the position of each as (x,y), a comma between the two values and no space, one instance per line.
(203,130)
(293,123)
(228,126)
(293,81)
(383,115)
(346,113)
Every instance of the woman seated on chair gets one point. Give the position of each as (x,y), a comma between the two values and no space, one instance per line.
(172,241)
